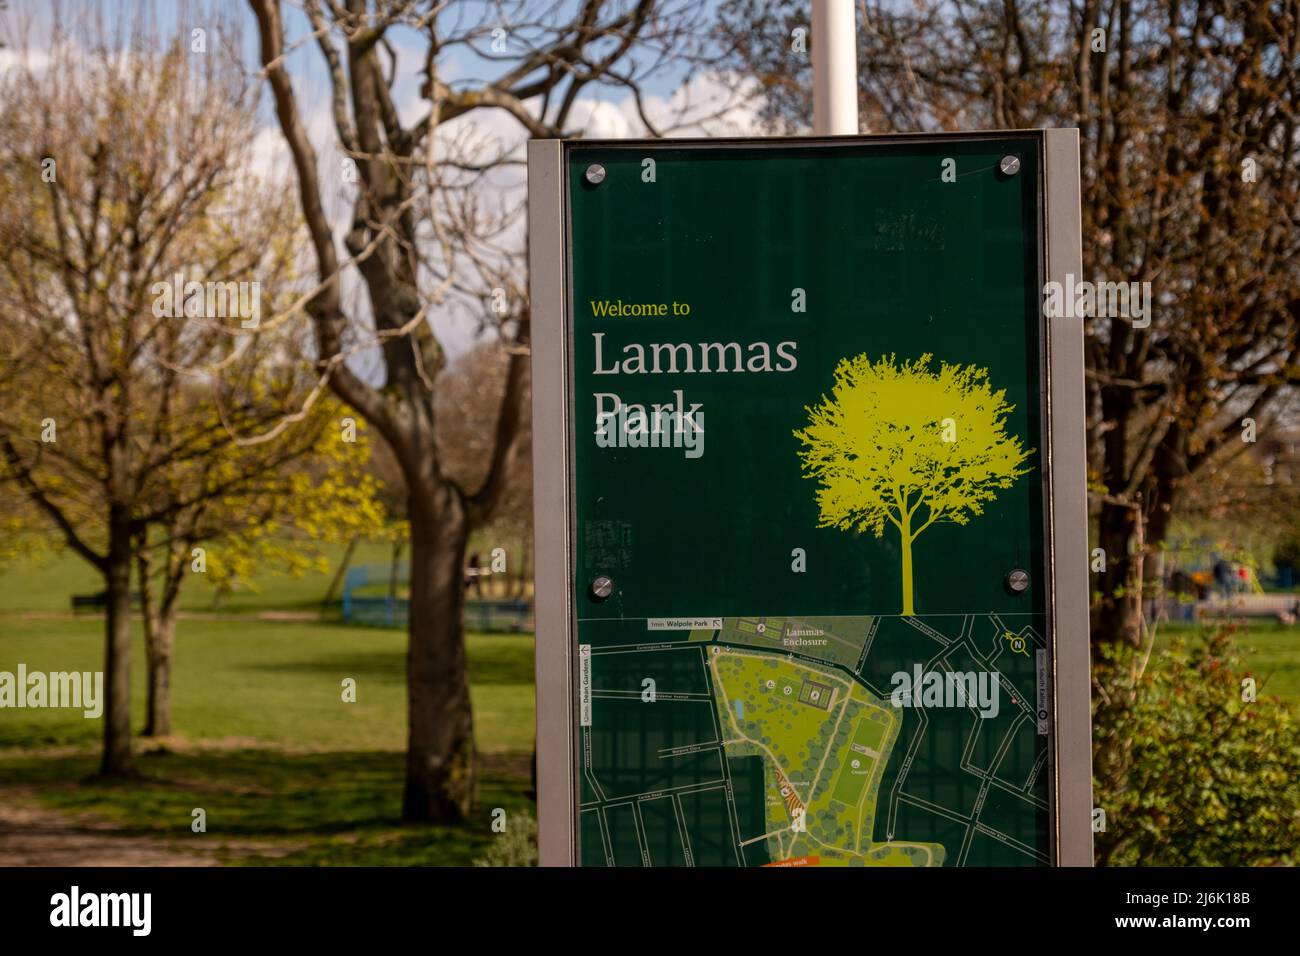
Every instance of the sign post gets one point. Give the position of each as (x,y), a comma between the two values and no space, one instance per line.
(810,502)
(835,67)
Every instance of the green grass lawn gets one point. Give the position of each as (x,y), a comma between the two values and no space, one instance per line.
(1271,651)
(265,744)
(275,682)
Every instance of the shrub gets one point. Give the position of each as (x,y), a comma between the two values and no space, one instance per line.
(514,846)
(1287,554)
(1187,772)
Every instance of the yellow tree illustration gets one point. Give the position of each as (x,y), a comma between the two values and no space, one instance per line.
(901,444)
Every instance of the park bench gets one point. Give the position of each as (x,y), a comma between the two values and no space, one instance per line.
(498,616)
(1283,607)
(99,602)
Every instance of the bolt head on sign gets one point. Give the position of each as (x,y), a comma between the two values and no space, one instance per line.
(602,587)
(1018,581)
(595,174)
(1010,165)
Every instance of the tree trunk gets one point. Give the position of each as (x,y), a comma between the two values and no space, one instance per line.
(525,561)
(1118,612)
(441,765)
(158,614)
(159,643)
(331,593)
(117,759)
(905,538)
(1154,536)
(149,623)
(394,572)
(1160,494)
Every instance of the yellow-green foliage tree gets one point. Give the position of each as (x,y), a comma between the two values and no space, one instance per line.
(22,533)
(124,163)
(898,444)
(252,507)
(333,498)
(329,496)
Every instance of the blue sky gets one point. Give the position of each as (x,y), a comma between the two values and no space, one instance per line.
(603,110)
(459,64)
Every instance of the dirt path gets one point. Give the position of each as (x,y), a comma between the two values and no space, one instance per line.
(33,835)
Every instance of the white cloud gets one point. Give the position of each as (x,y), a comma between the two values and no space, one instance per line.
(708,105)
(34,61)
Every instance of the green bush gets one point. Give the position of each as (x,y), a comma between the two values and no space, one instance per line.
(1188,773)
(1287,554)
(514,846)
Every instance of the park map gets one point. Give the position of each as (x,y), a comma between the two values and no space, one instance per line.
(778,741)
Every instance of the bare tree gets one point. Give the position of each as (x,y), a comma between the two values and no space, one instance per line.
(425,234)
(120,167)
(466,408)
(1188,124)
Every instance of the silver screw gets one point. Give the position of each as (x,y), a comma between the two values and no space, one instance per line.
(602,587)
(1010,165)
(595,174)
(1018,581)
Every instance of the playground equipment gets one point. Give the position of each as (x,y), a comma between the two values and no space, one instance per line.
(374,597)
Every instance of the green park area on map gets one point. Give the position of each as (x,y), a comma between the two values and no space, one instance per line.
(751,753)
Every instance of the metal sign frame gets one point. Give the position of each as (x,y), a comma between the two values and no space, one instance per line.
(1064,474)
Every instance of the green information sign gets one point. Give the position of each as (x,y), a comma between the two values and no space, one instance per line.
(810,497)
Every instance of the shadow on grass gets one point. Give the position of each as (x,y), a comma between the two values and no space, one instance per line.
(386,666)
(492,660)
(340,808)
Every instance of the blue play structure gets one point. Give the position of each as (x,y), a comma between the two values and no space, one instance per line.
(370,598)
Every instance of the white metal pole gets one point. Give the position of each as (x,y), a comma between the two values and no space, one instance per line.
(835,68)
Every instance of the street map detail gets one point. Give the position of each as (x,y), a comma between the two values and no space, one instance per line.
(820,741)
